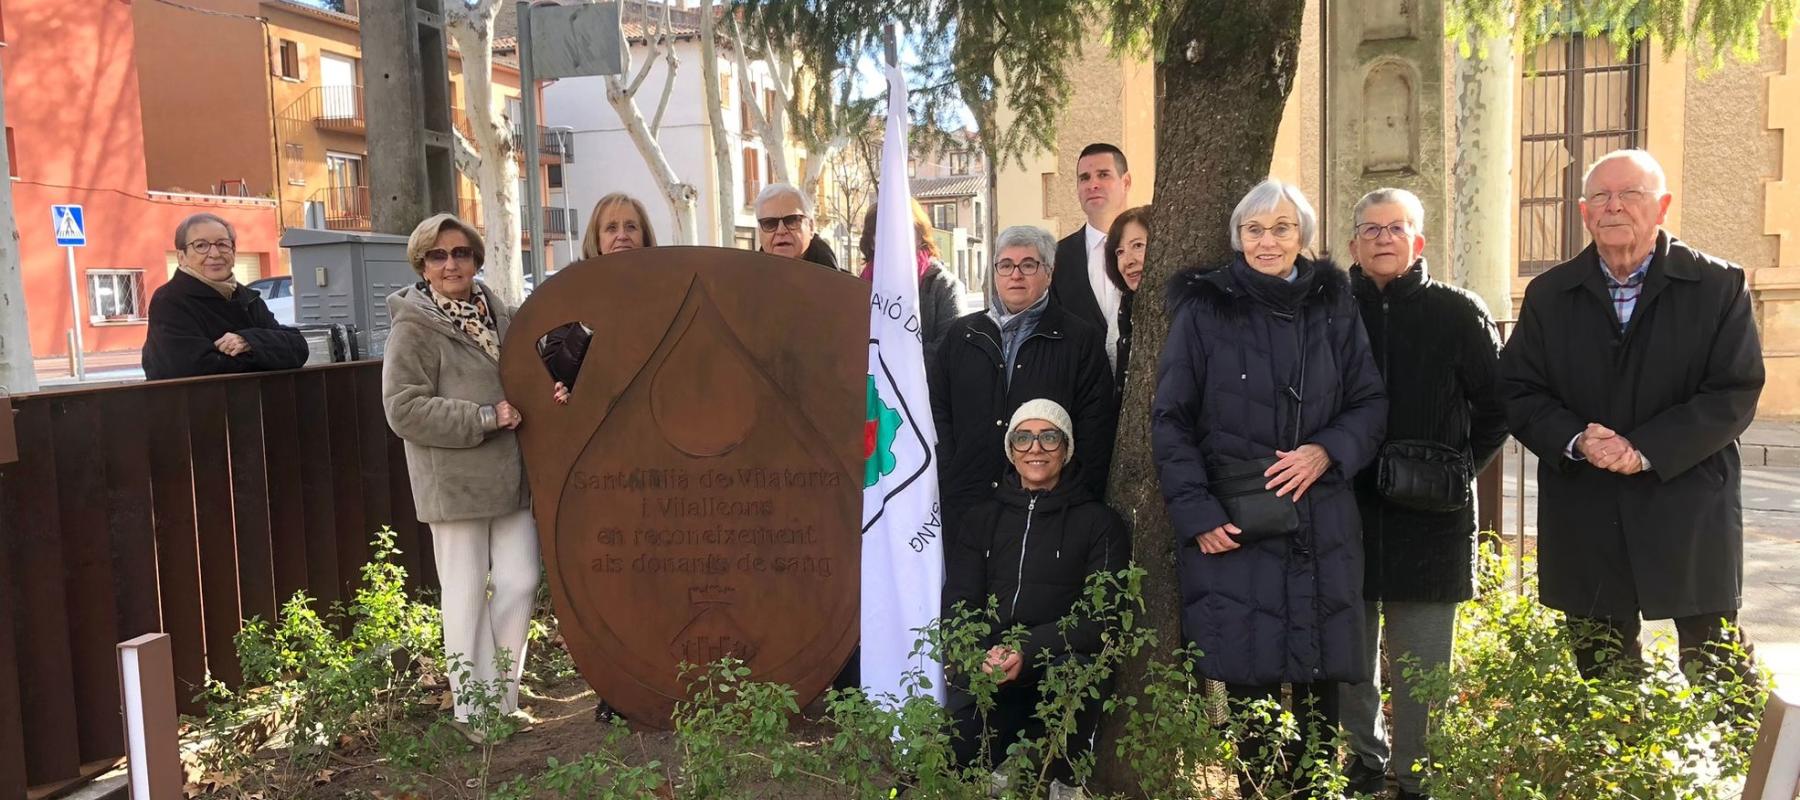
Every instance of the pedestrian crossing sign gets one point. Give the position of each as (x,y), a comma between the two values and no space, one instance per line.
(71,230)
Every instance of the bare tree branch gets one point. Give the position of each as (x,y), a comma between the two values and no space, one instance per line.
(674,62)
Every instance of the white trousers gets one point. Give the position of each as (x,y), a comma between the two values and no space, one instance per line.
(473,556)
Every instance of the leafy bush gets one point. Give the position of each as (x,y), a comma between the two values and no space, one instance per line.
(1515,720)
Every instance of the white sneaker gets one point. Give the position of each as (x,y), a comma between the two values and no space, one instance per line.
(1061,791)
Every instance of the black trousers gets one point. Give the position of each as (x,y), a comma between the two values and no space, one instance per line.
(1014,717)
(1605,645)
(1315,709)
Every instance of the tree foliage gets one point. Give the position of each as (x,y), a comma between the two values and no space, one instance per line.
(1714,28)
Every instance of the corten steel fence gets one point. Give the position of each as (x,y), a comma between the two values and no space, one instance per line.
(183,507)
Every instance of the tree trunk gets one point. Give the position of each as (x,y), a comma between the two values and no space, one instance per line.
(769,123)
(682,197)
(1482,236)
(1226,76)
(497,171)
(725,188)
(17,373)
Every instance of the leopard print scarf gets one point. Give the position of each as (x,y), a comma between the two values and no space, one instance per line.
(474,318)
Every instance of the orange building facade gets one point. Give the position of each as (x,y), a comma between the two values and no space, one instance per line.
(74,134)
(291,121)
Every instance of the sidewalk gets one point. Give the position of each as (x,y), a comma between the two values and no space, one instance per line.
(1771,444)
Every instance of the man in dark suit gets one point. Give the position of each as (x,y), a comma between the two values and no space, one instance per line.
(1633,369)
(1080,284)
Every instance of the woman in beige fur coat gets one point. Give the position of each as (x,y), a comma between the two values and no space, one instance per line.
(440,388)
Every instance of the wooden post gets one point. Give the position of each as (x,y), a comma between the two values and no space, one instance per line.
(152,742)
(1775,761)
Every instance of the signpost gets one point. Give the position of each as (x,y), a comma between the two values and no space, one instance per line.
(572,41)
(71,232)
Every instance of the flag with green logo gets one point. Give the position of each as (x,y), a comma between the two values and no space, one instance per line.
(902,546)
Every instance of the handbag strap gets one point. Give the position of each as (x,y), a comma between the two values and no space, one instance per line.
(1297,394)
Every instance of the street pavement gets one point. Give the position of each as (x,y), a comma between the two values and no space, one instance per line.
(1771,612)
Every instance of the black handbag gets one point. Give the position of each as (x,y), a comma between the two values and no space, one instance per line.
(1424,475)
(1239,485)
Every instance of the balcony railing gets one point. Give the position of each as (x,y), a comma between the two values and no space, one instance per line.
(346,208)
(559,222)
(337,108)
(555,146)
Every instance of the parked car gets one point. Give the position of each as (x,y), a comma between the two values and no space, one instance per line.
(278,293)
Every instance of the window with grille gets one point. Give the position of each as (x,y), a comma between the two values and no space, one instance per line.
(115,295)
(295,153)
(1582,98)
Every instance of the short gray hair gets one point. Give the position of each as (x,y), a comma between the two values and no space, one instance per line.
(181,230)
(1659,179)
(1263,199)
(1029,236)
(775,190)
(1408,202)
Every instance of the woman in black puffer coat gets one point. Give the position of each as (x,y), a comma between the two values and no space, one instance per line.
(1031,547)
(1267,359)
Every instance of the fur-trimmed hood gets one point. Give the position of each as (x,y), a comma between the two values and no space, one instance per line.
(1224,288)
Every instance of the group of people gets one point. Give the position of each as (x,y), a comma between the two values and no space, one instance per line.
(1316,431)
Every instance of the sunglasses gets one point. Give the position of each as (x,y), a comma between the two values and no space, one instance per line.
(439,255)
(1051,440)
(791,222)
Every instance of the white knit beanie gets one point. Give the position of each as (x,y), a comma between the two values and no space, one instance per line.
(1049,411)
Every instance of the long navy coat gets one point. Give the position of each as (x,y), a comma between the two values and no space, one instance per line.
(1287,609)
(1681,383)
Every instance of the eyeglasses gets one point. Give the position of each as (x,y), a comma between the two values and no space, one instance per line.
(1029,266)
(1051,440)
(439,255)
(1283,231)
(1372,231)
(791,222)
(203,247)
(1630,197)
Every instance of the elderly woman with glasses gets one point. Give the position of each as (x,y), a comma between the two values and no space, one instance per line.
(203,322)
(1267,403)
(1022,347)
(440,388)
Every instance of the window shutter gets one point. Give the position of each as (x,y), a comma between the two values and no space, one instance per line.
(301,70)
(275,54)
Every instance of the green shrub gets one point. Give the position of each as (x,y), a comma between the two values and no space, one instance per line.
(1515,720)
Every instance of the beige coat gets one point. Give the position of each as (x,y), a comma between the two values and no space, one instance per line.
(438,388)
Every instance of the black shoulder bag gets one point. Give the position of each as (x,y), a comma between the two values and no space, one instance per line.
(1238,485)
(1424,475)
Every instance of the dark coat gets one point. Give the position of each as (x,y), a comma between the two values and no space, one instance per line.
(563,350)
(971,401)
(1439,355)
(1069,283)
(1281,609)
(1034,552)
(1681,383)
(940,303)
(187,316)
(819,252)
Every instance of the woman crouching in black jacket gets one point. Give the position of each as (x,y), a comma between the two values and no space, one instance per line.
(1032,546)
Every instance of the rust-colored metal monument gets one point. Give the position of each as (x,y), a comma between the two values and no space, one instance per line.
(699,496)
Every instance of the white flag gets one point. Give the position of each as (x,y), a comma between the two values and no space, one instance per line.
(902,544)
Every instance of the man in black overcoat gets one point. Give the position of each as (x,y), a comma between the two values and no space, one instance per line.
(1634,368)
